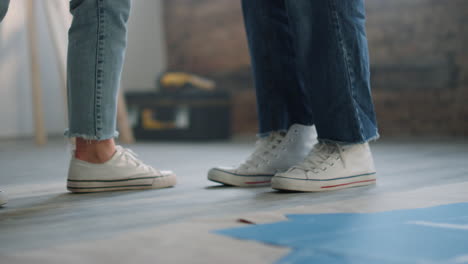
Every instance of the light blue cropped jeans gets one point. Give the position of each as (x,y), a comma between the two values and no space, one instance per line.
(97,44)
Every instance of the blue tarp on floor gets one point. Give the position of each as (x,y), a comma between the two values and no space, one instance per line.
(427,235)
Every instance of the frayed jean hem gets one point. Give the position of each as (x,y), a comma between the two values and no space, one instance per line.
(267,134)
(282,130)
(324,140)
(90,137)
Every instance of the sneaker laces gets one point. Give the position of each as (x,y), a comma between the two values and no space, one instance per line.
(320,155)
(131,157)
(264,148)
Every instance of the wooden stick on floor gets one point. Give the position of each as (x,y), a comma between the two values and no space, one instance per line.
(39,131)
(58,21)
(126,133)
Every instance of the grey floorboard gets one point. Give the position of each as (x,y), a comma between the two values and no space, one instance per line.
(41,213)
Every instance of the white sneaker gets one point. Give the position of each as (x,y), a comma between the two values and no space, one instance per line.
(3,198)
(122,172)
(329,167)
(272,154)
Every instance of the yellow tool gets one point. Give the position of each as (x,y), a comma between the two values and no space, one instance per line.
(174,80)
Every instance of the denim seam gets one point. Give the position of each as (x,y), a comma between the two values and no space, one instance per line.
(294,47)
(291,45)
(99,68)
(349,70)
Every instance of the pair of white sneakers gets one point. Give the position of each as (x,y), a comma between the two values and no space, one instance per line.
(288,161)
(295,161)
(292,161)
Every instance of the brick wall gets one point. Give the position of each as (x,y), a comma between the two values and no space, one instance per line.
(420,65)
(419,60)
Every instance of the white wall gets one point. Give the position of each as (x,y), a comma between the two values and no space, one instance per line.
(146,53)
(145,58)
(15,92)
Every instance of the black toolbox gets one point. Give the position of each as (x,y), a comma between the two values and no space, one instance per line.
(190,117)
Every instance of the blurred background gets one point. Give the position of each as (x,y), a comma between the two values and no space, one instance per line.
(419,63)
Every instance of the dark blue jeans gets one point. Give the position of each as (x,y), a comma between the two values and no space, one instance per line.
(311,66)
(3,8)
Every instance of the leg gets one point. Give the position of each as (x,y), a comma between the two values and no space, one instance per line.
(333,62)
(97,43)
(281,98)
(332,59)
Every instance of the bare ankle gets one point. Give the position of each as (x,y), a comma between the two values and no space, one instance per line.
(94,151)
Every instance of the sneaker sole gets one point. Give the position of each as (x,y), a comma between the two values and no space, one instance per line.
(302,185)
(232,179)
(91,186)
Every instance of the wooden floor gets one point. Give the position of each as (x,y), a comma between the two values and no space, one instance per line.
(42,223)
